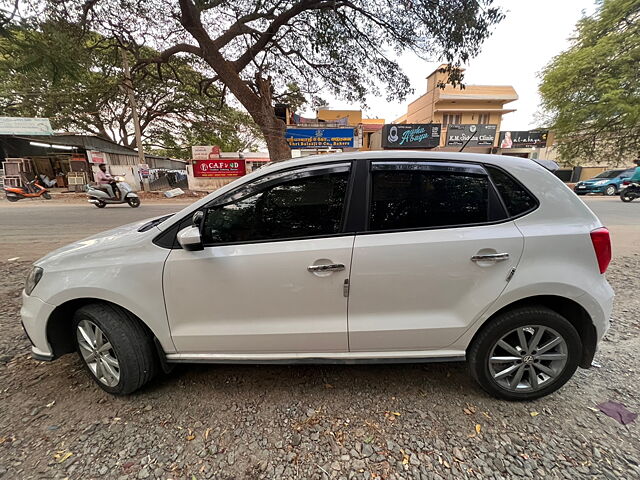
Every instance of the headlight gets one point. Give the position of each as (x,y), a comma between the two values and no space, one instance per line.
(32,280)
(601,182)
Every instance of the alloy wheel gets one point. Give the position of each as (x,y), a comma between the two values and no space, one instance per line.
(98,353)
(528,358)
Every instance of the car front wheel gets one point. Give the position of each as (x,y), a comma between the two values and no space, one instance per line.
(525,353)
(610,190)
(114,348)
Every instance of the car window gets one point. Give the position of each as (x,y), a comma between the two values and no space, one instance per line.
(294,208)
(608,174)
(402,199)
(515,196)
(628,173)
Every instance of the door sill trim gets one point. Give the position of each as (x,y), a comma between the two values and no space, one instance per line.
(321,358)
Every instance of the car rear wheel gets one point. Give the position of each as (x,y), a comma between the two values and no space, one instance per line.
(114,348)
(610,190)
(525,353)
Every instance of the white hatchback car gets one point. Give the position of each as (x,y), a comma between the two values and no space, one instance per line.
(380,256)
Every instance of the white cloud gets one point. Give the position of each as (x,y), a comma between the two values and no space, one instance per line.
(532,33)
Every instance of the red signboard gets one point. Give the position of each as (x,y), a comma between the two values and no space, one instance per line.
(219,167)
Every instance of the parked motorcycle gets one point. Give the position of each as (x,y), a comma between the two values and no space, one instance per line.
(630,191)
(31,189)
(122,190)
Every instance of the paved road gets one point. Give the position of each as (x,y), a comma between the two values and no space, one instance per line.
(31,229)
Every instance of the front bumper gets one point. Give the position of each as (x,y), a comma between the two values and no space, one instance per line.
(35,313)
(589,189)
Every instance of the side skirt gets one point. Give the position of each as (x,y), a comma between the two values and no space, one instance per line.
(317,359)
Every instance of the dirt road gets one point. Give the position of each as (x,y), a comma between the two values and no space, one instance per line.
(302,422)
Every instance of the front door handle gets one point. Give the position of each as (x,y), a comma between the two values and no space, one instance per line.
(331,267)
(490,257)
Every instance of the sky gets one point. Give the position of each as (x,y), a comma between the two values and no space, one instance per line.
(531,34)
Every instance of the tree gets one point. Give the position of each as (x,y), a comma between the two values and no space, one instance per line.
(591,92)
(254,49)
(75,78)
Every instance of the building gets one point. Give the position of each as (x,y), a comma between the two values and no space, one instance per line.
(72,159)
(475,110)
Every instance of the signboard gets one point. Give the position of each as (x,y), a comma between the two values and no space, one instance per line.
(415,135)
(527,139)
(319,137)
(481,135)
(205,152)
(144,170)
(96,157)
(219,167)
(25,126)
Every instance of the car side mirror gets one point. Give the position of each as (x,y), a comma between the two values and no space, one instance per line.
(189,238)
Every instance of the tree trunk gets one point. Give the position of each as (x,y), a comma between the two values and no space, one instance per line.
(273,130)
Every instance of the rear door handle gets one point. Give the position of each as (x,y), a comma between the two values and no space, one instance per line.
(331,267)
(490,257)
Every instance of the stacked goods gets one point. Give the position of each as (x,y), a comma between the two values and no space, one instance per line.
(17,171)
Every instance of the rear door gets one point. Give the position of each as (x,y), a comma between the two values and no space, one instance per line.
(436,253)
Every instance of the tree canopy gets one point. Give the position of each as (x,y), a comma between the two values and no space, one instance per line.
(255,49)
(591,92)
(75,78)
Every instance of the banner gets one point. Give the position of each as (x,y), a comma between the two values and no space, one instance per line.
(96,157)
(523,139)
(319,137)
(416,135)
(25,126)
(205,152)
(481,135)
(218,167)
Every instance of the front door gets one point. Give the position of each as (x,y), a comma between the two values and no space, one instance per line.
(435,255)
(270,278)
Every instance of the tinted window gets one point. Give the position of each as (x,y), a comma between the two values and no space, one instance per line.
(608,174)
(302,207)
(516,198)
(421,199)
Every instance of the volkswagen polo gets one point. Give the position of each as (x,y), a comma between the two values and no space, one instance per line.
(355,257)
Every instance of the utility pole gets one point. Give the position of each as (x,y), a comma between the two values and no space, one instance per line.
(128,85)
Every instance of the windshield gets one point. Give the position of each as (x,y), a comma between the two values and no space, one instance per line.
(608,174)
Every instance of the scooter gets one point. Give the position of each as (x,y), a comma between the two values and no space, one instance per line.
(123,191)
(630,191)
(31,189)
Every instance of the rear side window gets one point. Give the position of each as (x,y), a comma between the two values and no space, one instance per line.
(402,199)
(516,198)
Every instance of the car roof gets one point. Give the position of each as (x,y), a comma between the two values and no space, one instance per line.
(390,155)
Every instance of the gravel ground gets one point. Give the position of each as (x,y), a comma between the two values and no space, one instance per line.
(315,422)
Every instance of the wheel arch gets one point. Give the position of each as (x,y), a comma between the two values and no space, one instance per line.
(569,309)
(59,328)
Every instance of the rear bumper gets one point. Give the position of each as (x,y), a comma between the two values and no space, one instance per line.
(35,313)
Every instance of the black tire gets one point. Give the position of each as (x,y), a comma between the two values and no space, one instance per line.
(625,198)
(610,190)
(12,199)
(480,350)
(46,196)
(580,194)
(132,345)
(134,202)
(100,204)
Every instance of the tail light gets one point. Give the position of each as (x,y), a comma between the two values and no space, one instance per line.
(626,182)
(602,246)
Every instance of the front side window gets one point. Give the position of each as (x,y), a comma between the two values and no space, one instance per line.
(300,207)
(402,199)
